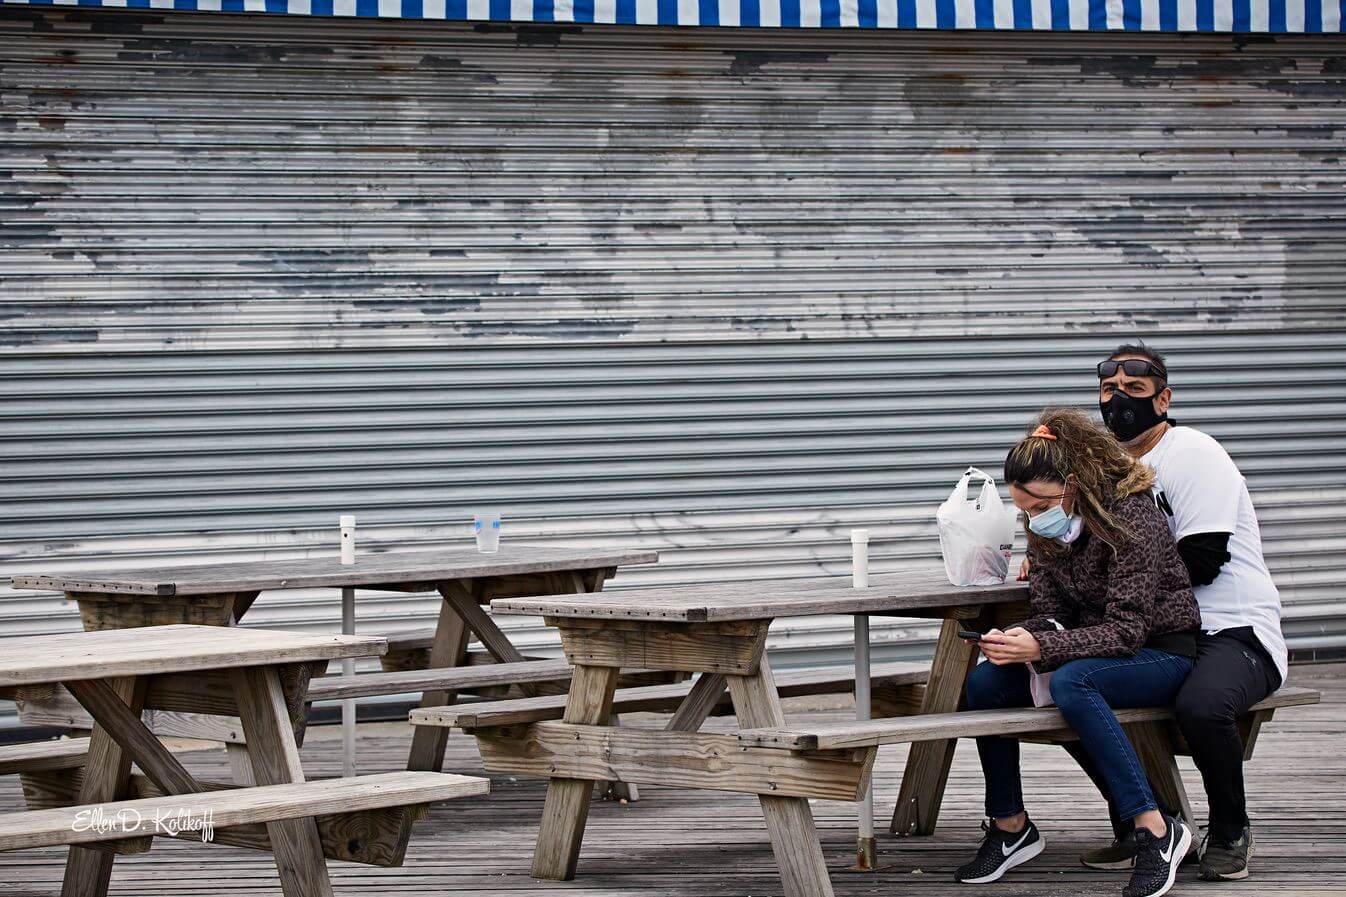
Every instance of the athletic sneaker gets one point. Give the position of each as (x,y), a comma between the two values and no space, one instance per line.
(1001,852)
(1226,861)
(1158,859)
(1120,854)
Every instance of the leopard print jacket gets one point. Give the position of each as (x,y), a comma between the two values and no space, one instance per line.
(1110,606)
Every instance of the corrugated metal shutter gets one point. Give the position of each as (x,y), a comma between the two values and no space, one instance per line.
(725,293)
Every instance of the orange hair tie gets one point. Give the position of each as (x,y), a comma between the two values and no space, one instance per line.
(1043,432)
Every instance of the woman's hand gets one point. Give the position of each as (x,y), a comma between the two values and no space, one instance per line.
(1023,570)
(1016,646)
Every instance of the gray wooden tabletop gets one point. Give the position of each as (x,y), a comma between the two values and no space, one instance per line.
(369,570)
(890,593)
(150,650)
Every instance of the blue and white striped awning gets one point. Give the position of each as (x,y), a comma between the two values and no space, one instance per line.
(1229,16)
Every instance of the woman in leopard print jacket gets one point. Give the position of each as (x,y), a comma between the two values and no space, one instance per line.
(1113,622)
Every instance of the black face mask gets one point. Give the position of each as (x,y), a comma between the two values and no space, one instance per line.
(1129,416)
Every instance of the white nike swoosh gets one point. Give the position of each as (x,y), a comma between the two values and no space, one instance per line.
(1009,850)
(1172,843)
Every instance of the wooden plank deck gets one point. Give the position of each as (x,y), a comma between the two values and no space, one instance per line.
(694,844)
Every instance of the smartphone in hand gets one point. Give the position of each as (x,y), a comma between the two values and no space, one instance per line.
(970,635)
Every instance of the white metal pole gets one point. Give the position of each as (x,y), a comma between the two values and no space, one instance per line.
(865,850)
(348,665)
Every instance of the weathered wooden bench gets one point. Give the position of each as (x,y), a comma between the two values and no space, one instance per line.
(548,676)
(235,815)
(896,687)
(1155,740)
(58,708)
(50,772)
(71,753)
(451,679)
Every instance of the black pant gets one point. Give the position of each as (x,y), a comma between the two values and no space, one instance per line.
(1232,672)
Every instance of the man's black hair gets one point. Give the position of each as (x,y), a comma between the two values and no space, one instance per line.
(1144,351)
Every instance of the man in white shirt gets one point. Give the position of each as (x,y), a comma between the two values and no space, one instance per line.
(1241,651)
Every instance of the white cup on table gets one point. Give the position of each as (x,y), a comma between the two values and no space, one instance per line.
(486,527)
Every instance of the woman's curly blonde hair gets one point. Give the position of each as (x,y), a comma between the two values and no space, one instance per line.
(1104,474)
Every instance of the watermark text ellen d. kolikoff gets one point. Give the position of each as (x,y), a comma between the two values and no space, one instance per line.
(171,821)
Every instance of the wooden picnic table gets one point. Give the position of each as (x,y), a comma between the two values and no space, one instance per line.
(220,595)
(720,632)
(100,809)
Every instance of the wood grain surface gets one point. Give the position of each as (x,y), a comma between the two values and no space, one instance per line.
(921,588)
(152,650)
(427,567)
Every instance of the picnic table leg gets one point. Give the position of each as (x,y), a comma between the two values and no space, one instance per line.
(106,775)
(463,600)
(1249,727)
(269,732)
(928,762)
(239,765)
(449,650)
(1153,742)
(789,821)
(240,604)
(567,807)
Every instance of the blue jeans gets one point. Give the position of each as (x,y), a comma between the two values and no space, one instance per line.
(1086,691)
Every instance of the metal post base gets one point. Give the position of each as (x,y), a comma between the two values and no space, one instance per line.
(866,856)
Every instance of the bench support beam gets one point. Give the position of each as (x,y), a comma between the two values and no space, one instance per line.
(706,692)
(459,596)
(139,743)
(709,761)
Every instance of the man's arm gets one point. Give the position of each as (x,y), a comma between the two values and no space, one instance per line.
(1204,554)
(1202,485)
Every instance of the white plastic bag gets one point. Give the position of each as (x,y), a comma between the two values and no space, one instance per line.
(975,535)
(1040,687)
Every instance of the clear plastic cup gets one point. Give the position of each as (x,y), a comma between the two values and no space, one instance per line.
(486,527)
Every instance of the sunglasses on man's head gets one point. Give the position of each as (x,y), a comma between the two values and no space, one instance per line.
(1132,367)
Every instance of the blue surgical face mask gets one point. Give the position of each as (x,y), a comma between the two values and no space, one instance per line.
(1052,523)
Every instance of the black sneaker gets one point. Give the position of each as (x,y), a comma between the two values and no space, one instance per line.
(1224,860)
(1120,854)
(1001,852)
(1157,859)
